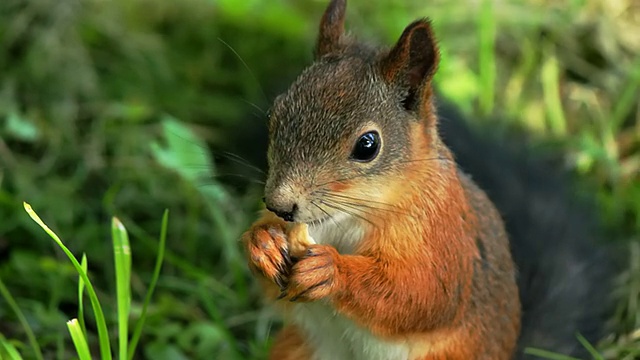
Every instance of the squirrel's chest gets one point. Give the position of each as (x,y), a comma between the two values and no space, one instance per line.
(342,232)
(335,337)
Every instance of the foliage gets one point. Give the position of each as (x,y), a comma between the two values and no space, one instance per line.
(109,108)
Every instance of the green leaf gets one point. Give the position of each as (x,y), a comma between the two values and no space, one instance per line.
(79,340)
(21,128)
(154,280)
(81,295)
(187,154)
(23,320)
(103,334)
(552,97)
(184,152)
(122,259)
(7,350)
(594,353)
(547,354)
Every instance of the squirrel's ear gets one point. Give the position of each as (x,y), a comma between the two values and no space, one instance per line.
(331,28)
(411,64)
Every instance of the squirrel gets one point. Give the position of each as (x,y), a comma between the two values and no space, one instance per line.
(374,243)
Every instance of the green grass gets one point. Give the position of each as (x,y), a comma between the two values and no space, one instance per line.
(79,339)
(108,110)
(8,348)
(105,346)
(122,259)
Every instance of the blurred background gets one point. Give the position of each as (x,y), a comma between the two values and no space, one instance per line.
(129,107)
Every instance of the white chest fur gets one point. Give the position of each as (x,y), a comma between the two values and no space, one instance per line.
(342,231)
(333,336)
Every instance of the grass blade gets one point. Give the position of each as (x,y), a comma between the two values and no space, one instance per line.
(592,351)
(547,354)
(627,97)
(122,259)
(154,280)
(103,335)
(486,57)
(81,295)
(23,320)
(7,350)
(552,95)
(79,340)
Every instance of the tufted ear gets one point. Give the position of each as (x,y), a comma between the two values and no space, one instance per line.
(411,64)
(331,28)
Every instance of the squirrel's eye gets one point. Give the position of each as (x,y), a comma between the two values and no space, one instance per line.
(367,147)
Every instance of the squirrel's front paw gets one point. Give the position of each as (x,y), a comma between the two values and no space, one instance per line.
(315,276)
(268,252)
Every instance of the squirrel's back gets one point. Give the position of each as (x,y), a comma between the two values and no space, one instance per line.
(564,271)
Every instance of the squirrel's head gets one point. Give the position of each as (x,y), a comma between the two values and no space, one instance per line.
(348,126)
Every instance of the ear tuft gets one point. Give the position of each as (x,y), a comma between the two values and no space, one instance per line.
(331,28)
(412,62)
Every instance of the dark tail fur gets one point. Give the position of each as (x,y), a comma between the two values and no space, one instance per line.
(564,273)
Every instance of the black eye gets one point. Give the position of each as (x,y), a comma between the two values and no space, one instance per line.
(367,147)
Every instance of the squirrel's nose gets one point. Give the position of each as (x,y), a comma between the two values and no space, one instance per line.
(281,198)
(286,213)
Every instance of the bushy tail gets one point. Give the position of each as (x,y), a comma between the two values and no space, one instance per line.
(565,276)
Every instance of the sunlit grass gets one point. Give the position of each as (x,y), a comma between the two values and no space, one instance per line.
(79,339)
(122,260)
(8,350)
(105,346)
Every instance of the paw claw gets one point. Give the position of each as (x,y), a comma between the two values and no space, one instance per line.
(269,252)
(287,257)
(281,283)
(313,277)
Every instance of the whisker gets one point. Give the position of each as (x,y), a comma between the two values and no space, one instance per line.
(346,211)
(242,161)
(241,176)
(346,197)
(226,154)
(340,180)
(356,204)
(328,215)
(255,107)
(255,181)
(248,69)
(362,210)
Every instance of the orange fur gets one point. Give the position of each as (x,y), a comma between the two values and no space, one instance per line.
(290,345)
(338,186)
(414,262)
(419,289)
